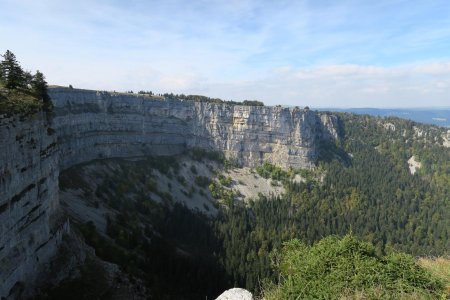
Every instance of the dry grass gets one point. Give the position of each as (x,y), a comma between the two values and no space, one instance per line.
(440,267)
(18,101)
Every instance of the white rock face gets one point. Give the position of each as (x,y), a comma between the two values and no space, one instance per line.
(446,138)
(236,294)
(389,126)
(413,165)
(94,125)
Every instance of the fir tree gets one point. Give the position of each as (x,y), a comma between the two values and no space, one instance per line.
(11,74)
(39,86)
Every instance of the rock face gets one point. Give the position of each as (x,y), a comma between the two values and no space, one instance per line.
(89,125)
(94,125)
(236,294)
(413,165)
(29,227)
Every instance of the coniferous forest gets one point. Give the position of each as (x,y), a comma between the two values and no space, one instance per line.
(361,186)
(367,190)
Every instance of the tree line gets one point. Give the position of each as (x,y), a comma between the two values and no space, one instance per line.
(199,98)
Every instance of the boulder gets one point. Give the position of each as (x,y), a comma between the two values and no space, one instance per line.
(236,294)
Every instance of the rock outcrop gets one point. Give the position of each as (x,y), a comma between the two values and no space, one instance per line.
(89,125)
(414,165)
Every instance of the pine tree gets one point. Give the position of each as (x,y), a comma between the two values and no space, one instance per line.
(39,86)
(28,78)
(11,73)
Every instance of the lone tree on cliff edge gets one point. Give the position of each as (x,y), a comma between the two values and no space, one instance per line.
(39,86)
(11,74)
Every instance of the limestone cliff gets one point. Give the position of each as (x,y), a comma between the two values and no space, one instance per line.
(88,125)
(29,225)
(94,125)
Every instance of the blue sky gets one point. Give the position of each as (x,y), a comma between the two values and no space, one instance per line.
(319,53)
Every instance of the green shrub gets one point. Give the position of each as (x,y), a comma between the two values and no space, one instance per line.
(199,154)
(268,170)
(193,169)
(181,180)
(151,185)
(336,268)
(103,247)
(220,193)
(163,164)
(225,180)
(202,181)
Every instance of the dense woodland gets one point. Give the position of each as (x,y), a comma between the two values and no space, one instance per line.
(370,193)
(362,185)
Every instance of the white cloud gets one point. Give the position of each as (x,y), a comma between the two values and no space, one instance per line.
(418,85)
(352,53)
(348,86)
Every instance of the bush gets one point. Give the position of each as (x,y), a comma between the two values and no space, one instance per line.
(337,268)
(181,180)
(202,181)
(220,193)
(199,154)
(163,164)
(225,180)
(151,185)
(268,170)
(193,169)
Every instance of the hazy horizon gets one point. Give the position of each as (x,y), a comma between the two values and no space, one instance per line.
(350,54)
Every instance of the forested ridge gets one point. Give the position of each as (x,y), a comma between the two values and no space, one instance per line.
(362,185)
(370,192)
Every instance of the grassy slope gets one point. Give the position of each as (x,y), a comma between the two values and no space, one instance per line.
(440,267)
(18,101)
(345,268)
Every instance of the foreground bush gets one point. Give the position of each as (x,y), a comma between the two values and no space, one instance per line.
(345,268)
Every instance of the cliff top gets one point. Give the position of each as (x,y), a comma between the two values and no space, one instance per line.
(21,91)
(19,100)
(167,96)
(56,89)
(79,90)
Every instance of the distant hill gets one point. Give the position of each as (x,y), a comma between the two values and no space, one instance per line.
(435,116)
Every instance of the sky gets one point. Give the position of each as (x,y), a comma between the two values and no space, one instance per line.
(320,53)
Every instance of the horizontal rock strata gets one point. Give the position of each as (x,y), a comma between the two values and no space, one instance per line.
(30,229)
(90,125)
(94,125)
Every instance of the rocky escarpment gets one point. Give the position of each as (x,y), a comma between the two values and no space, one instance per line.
(89,125)
(94,125)
(30,228)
